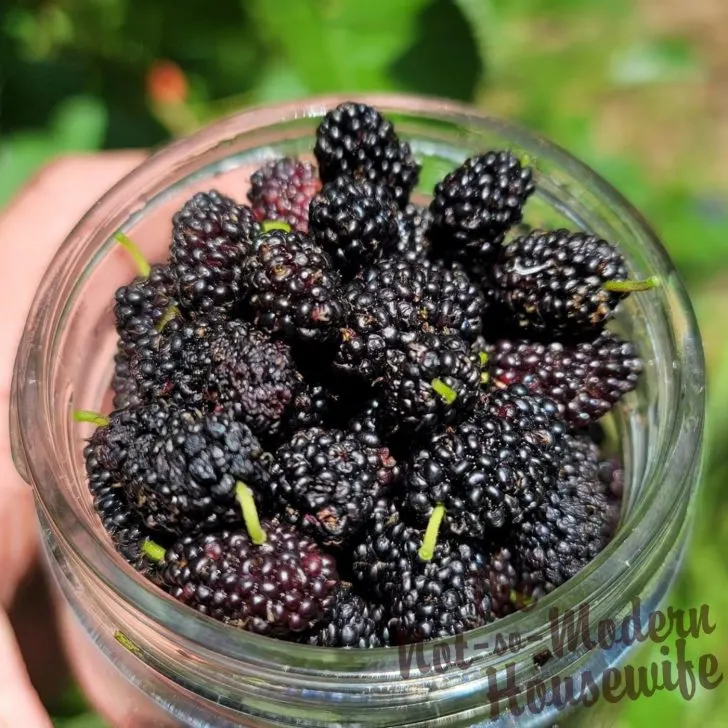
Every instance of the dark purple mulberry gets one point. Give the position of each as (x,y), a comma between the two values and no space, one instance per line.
(429,383)
(553,284)
(182,476)
(586,378)
(392,303)
(354,221)
(279,589)
(282,190)
(214,364)
(447,595)
(491,469)
(354,623)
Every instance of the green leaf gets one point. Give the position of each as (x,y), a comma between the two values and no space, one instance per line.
(483,23)
(444,60)
(655,61)
(87,720)
(338,45)
(80,124)
(279,82)
(717,427)
(70,703)
(20,156)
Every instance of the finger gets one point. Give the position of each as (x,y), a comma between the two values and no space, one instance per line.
(19,703)
(31,229)
(36,223)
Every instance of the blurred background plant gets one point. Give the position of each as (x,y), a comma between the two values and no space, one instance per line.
(637,88)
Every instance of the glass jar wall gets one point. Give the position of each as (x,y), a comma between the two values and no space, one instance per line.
(128,638)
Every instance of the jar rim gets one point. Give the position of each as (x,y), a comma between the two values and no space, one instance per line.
(28,397)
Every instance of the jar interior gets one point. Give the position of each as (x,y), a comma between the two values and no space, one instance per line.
(85,347)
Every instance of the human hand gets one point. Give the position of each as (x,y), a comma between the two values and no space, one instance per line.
(32,228)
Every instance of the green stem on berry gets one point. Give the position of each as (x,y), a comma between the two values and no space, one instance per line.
(526,159)
(170,313)
(483,355)
(126,643)
(269,225)
(250,514)
(94,417)
(134,252)
(427,549)
(632,286)
(521,599)
(448,394)
(153,551)
(484,377)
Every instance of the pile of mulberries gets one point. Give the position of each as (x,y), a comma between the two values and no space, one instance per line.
(351,420)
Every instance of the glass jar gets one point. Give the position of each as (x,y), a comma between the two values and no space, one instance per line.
(145,659)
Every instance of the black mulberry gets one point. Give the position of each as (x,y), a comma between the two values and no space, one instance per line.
(477,203)
(333,479)
(182,476)
(447,595)
(215,364)
(390,304)
(491,469)
(354,623)
(354,221)
(211,235)
(561,284)
(356,140)
(429,383)
(292,288)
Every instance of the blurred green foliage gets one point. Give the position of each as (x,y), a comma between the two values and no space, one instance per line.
(627,85)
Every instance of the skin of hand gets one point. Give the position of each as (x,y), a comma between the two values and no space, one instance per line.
(32,227)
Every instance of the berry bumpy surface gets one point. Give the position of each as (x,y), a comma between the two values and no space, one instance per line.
(105,455)
(333,478)
(491,469)
(292,288)
(121,522)
(431,382)
(354,221)
(414,225)
(586,379)
(140,310)
(281,588)
(282,190)
(356,140)
(477,203)
(211,235)
(553,283)
(503,579)
(574,522)
(351,420)
(181,476)
(447,595)
(353,623)
(214,364)
(391,303)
